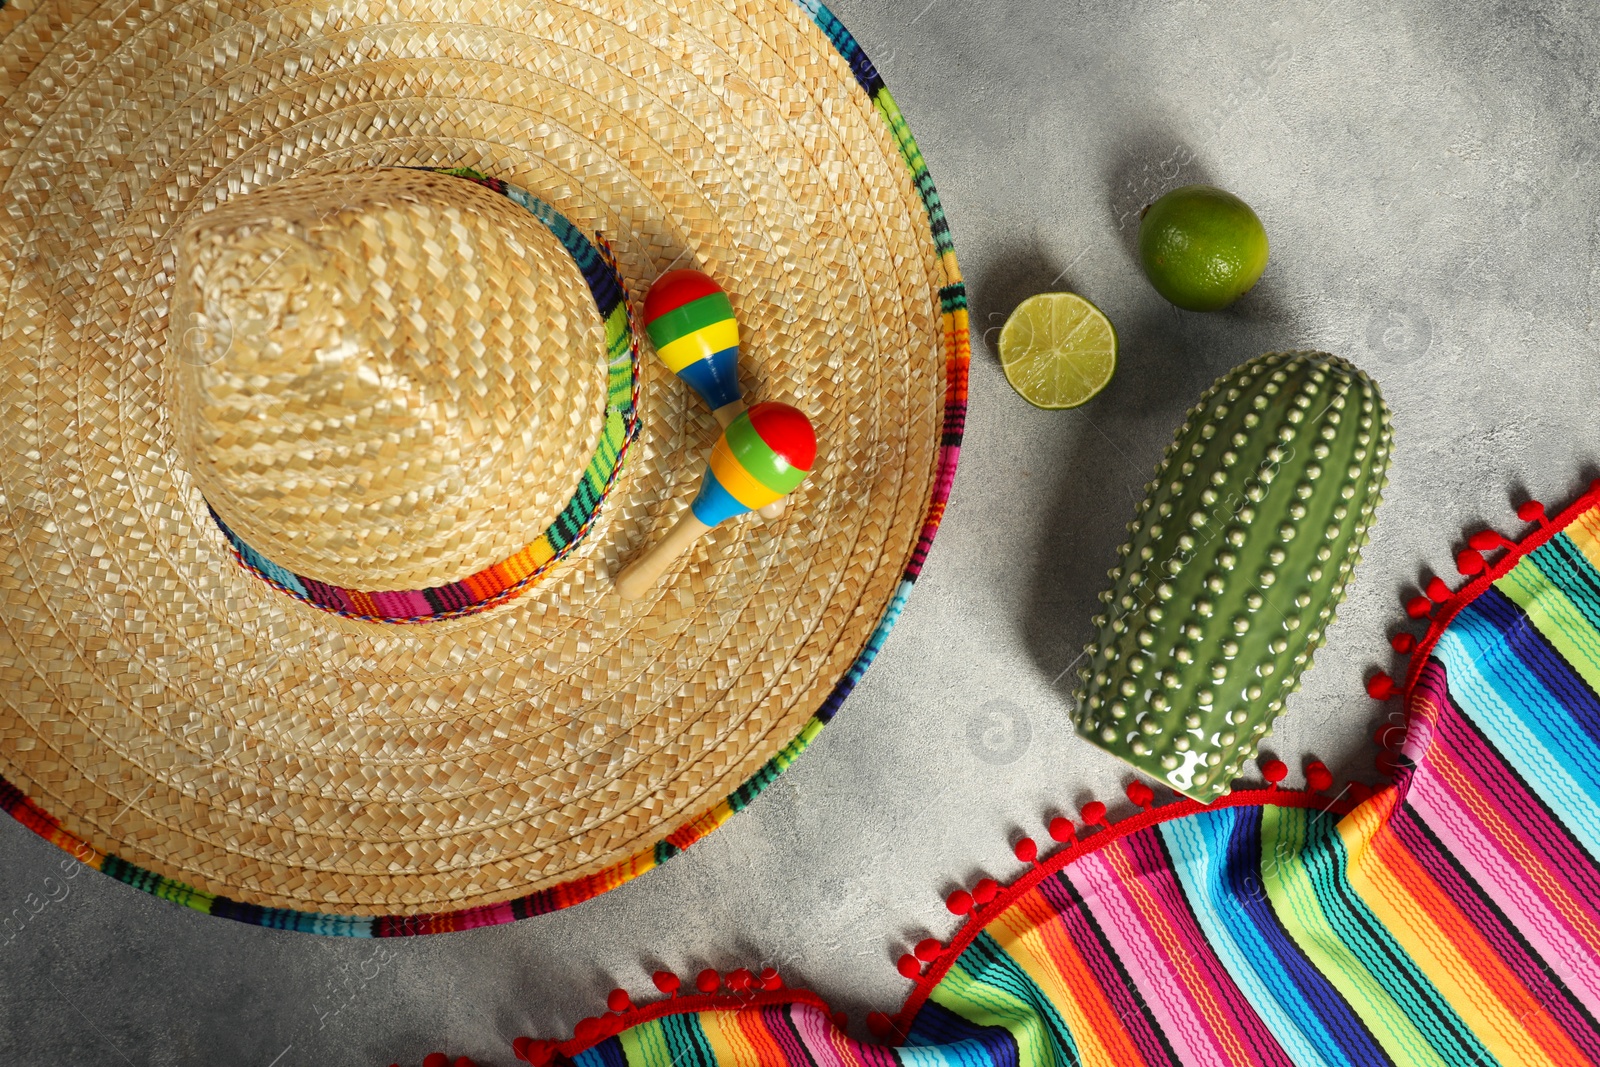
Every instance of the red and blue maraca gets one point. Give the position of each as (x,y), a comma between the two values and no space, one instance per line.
(690,321)
(764,454)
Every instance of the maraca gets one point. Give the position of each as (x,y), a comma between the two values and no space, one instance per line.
(690,321)
(765,453)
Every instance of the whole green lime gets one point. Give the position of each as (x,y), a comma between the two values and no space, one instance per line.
(1202,247)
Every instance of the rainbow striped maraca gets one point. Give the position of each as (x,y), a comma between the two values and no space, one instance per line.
(690,321)
(765,453)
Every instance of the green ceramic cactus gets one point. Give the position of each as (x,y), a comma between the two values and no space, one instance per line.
(1240,553)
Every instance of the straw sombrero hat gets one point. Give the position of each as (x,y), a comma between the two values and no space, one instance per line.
(327,428)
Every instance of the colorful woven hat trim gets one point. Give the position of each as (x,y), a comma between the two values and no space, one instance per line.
(499,582)
(1451,918)
(952,297)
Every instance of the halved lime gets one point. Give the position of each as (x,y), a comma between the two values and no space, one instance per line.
(1058,350)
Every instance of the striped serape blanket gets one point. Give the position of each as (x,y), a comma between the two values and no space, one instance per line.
(1450,918)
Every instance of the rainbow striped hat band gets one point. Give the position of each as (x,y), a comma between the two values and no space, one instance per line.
(335,409)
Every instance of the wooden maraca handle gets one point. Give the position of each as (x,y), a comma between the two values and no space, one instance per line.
(763,455)
(642,574)
(728,412)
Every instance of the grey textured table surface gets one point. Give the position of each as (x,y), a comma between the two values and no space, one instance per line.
(1429,176)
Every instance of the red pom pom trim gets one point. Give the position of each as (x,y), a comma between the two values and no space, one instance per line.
(1390,736)
(1486,541)
(537,1053)
(1318,777)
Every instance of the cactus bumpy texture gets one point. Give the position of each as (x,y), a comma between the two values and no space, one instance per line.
(1240,553)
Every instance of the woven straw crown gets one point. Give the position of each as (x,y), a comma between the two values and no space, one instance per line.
(390,378)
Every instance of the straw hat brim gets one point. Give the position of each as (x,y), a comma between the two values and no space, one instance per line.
(182,725)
